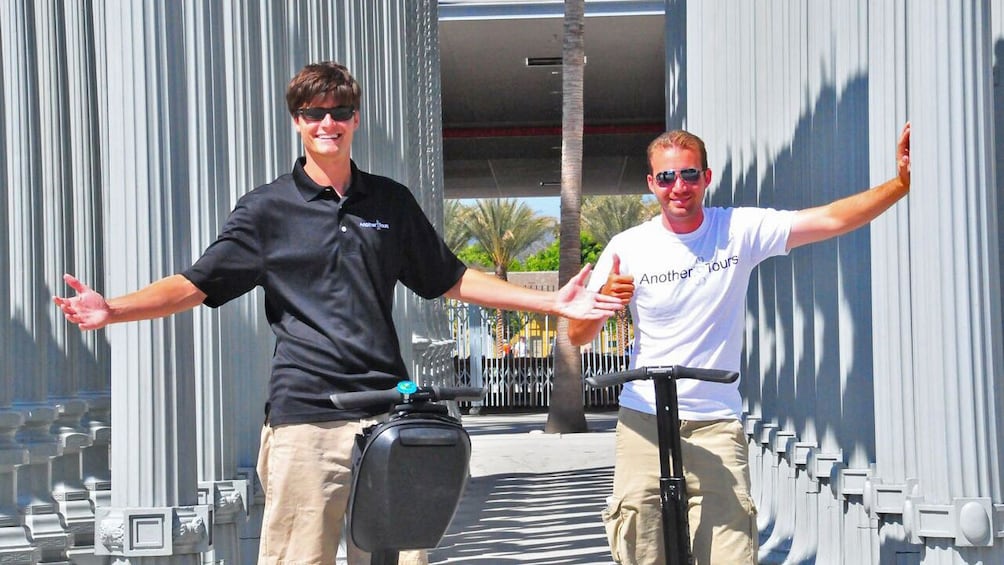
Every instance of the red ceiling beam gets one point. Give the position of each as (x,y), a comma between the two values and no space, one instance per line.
(534,131)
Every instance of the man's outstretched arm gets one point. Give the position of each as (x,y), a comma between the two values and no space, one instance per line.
(91,311)
(571,301)
(850,213)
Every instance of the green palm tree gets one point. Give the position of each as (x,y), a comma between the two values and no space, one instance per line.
(566,413)
(606,216)
(456,233)
(505,228)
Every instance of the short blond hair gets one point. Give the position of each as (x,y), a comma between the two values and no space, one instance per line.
(681,139)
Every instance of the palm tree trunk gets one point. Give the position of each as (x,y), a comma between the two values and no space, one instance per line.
(500,337)
(622,331)
(566,413)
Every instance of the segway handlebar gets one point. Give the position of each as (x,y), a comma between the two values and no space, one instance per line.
(405,391)
(672,372)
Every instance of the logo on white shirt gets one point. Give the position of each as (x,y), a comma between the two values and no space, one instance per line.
(704,268)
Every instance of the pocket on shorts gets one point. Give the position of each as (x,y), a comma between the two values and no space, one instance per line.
(750,508)
(621,525)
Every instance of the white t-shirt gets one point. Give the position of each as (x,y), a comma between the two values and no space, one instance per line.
(690,300)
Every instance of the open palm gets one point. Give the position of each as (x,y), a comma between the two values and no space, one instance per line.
(575,302)
(88,309)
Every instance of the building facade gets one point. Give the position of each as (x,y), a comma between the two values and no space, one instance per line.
(872,374)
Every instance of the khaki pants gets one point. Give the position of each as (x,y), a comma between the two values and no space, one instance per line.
(306,472)
(720,511)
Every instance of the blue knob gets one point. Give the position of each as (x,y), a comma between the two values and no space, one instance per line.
(407,387)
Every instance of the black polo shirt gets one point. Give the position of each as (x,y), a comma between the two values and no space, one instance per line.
(328,266)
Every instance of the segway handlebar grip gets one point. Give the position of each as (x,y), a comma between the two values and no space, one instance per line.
(364,399)
(461,393)
(617,378)
(710,375)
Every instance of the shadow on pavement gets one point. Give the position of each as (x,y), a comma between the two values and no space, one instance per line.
(545,518)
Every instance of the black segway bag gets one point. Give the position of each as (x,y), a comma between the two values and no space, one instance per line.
(409,474)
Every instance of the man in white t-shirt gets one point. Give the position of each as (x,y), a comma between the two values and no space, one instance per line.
(684,275)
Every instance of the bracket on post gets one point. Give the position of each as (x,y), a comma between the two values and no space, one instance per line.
(969,522)
(153,532)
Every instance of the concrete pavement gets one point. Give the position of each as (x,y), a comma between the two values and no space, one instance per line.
(532,497)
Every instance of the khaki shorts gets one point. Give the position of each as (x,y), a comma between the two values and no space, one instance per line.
(720,511)
(306,472)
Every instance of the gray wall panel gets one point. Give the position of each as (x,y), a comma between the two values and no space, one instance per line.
(872,363)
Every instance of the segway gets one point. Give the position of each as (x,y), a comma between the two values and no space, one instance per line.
(672,484)
(408,472)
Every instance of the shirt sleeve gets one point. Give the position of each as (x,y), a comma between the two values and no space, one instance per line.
(430,268)
(233,264)
(768,230)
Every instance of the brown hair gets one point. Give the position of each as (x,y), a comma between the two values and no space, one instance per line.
(681,139)
(319,80)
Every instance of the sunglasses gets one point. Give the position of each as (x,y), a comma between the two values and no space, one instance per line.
(668,178)
(338,113)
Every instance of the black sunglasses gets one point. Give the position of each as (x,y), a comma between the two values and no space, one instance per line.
(668,178)
(338,113)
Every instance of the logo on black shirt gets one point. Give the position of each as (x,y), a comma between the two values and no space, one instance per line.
(376,224)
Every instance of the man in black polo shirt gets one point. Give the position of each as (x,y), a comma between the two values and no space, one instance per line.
(327,243)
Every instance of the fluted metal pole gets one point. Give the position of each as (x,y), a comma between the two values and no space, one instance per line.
(956,507)
(17,159)
(64,70)
(33,196)
(155,515)
(897,445)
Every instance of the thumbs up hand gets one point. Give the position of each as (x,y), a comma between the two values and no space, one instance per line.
(619,286)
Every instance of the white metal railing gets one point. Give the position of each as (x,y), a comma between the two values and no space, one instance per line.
(510,354)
